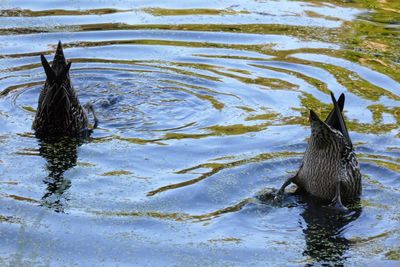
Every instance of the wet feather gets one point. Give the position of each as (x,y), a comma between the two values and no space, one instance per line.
(329,168)
(59,111)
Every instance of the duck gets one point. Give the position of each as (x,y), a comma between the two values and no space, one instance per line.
(329,169)
(59,111)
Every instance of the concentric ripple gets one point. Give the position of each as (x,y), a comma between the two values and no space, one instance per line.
(202,107)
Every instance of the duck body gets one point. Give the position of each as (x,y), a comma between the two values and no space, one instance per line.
(59,111)
(325,162)
(329,169)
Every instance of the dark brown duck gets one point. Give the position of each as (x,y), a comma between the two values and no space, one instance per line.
(329,169)
(59,111)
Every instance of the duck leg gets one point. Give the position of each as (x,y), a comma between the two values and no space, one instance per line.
(89,107)
(337,200)
(279,194)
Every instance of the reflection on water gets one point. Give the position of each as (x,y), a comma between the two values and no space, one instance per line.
(201,104)
(324,227)
(61,155)
(324,231)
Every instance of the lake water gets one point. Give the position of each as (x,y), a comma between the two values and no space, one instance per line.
(202,106)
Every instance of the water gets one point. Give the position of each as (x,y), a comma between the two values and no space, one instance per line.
(202,105)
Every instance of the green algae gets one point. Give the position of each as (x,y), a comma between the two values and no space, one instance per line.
(216,167)
(116,173)
(393,255)
(57,12)
(192,12)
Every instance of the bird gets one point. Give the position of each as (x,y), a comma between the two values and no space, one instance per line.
(59,111)
(329,169)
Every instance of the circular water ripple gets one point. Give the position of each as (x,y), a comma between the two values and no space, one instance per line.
(193,124)
(153,88)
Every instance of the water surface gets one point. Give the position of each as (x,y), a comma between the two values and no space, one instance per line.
(202,106)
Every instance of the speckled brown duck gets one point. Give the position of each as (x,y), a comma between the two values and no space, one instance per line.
(329,169)
(59,111)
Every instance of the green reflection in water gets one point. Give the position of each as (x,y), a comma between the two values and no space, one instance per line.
(370,41)
(217,167)
(57,12)
(192,11)
(179,217)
